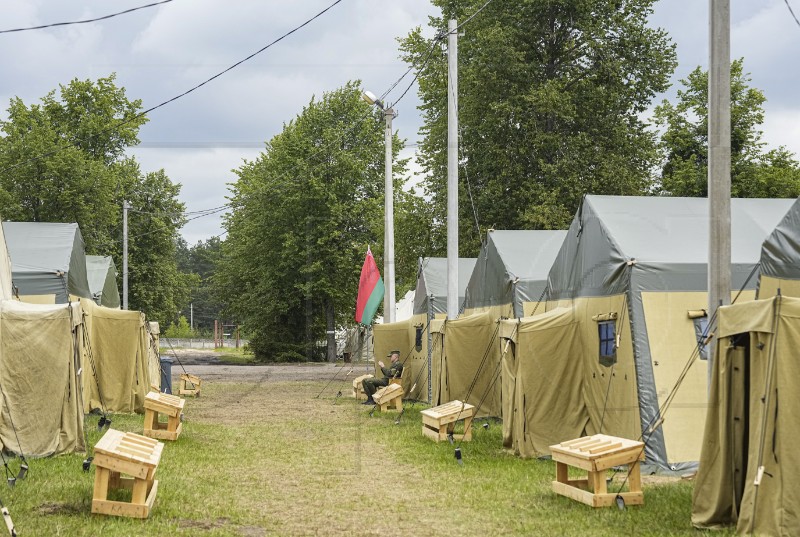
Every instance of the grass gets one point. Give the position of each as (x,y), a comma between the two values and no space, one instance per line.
(234,356)
(268,458)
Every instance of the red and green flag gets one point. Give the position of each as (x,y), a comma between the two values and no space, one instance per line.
(370,290)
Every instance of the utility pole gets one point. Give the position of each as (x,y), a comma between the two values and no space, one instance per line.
(719,161)
(191,315)
(125,207)
(452,169)
(388,215)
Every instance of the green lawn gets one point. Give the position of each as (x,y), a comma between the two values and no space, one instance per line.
(268,458)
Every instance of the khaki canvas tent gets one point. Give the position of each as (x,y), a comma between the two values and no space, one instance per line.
(780,257)
(413,336)
(6,282)
(510,275)
(119,378)
(48,261)
(541,393)
(749,459)
(102,278)
(634,271)
(40,364)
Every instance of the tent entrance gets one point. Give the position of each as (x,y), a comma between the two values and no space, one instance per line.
(740,412)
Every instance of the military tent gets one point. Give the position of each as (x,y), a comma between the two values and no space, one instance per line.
(634,269)
(749,458)
(780,257)
(40,365)
(102,278)
(119,359)
(48,261)
(413,336)
(510,275)
(542,392)
(6,281)
(154,354)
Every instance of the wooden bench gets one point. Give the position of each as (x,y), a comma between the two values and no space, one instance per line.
(137,456)
(171,406)
(439,422)
(358,387)
(596,454)
(190,385)
(389,396)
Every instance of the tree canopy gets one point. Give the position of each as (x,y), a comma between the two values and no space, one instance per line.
(550,97)
(756,172)
(303,215)
(63,160)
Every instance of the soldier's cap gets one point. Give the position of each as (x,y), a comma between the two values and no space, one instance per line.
(393,352)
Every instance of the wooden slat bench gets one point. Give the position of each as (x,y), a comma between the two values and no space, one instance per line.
(190,385)
(439,422)
(389,396)
(171,406)
(134,455)
(596,454)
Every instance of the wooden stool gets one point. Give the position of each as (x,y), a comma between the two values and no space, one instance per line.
(358,388)
(391,395)
(190,385)
(596,454)
(156,403)
(439,422)
(131,454)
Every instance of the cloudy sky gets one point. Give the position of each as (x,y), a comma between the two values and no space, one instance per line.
(160,52)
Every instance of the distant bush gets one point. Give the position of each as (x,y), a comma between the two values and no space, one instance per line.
(181,331)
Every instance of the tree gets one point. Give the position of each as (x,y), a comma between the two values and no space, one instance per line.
(550,97)
(755,173)
(303,215)
(63,160)
(201,260)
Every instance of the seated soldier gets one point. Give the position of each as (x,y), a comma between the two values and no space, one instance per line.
(394,371)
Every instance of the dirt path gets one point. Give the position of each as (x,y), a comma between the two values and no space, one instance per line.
(207,365)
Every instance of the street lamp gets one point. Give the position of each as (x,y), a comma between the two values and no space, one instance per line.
(388,235)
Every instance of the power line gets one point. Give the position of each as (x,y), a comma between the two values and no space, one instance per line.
(55,24)
(175,98)
(792,12)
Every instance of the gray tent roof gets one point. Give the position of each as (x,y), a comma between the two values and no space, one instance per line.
(432,283)
(780,253)
(661,234)
(512,268)
(102,276)
(47,258)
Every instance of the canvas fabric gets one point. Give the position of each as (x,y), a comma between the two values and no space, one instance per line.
(101,275)
(752,422)
(6,282)
(41,409)
(430,294)
(119,347)
(47,259)
(472,350)
(543,394)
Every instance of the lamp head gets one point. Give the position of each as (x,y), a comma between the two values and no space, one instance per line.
(371,99)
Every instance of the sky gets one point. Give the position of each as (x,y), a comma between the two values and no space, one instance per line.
(160,52)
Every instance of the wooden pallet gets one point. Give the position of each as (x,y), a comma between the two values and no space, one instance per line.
(358,387)
(389,396)
(439,422)
(596,454)
(171,406)
(137,456)
(190,385)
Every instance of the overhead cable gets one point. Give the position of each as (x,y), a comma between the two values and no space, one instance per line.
(56,24)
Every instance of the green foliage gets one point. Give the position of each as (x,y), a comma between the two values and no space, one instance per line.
(550,97)
(63,160)
(304,213)
(200,261)
(755,173)
(180,331)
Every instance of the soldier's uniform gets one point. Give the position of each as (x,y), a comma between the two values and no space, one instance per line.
(394,371)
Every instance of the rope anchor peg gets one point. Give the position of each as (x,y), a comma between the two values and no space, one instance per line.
(103,422)
(87,463)
(620,502)
(458,456)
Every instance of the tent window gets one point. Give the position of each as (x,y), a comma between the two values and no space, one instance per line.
(700,326)
(418,338)
(608,343)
